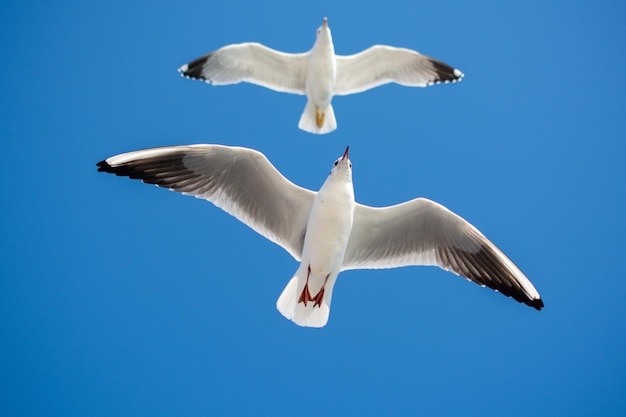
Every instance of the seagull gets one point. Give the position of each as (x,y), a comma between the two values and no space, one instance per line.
(319,73)
(326,231)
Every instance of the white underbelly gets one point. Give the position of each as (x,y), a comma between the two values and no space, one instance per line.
(327,238)
(320,82)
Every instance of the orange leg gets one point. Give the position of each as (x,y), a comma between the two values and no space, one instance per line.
(320,295)
(305,297)
(319,117)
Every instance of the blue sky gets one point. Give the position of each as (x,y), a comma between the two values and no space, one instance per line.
(121,299)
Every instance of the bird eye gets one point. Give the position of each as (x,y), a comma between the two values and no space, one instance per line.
(336,162)
(350,164)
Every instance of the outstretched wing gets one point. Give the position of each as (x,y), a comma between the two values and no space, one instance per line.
(253,63)
(381,64)
(422,232)
(240,181)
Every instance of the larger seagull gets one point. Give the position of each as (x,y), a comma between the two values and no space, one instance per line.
(327,231)
(319,73)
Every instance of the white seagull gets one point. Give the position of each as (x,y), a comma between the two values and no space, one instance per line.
(327,232)
(319,73)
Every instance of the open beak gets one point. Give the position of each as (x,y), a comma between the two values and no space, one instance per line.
(345,154)
(325,22)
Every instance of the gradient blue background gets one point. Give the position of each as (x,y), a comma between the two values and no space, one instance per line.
(121,299)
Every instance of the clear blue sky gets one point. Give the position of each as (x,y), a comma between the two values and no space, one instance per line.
(121,299)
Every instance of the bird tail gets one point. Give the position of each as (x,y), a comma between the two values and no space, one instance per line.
(311,119)
(307,315)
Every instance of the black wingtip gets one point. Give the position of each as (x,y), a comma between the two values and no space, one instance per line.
(537,304)
(193,69)
(103,166)
(445,73)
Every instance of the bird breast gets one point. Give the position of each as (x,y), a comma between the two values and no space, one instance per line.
(321,77)
(328,231)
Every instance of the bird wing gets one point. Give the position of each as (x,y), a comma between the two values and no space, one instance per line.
(381,64)
(240,181)
(422,232)
(253,63)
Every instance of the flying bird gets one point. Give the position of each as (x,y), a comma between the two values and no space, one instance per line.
(319,73)
(326,231)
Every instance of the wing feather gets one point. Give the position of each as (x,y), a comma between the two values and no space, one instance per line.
(381,64)
(240,181)
(253,63)
(422,232)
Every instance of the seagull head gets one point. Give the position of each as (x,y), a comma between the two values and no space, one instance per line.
(342,166)
(323,32)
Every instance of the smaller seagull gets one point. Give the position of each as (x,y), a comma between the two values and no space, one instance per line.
(327,232)
(319,73)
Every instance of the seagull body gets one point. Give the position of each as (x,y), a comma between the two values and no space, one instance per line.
(327,231)
(325,243)
(319,74)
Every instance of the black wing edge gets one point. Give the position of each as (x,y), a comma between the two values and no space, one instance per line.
(444,72)
(484,268)
(125,170)
(151,170)
(103,166)
(193,70)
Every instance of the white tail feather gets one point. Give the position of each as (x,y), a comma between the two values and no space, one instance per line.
(308,120)
(306,316)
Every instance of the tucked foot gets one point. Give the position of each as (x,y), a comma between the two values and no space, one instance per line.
(305,297)
(319,117)
(318,298)
(320,295)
